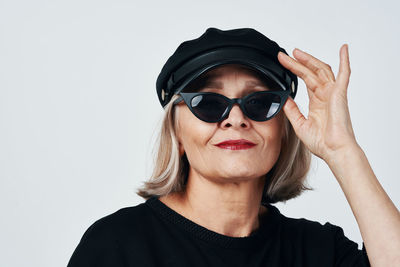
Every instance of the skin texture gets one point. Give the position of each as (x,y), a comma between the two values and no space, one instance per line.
(198,138)
(225,197)
(223,183)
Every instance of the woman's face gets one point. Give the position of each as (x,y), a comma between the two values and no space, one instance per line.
(199,139)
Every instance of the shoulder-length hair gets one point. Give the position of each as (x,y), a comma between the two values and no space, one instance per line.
(286,179)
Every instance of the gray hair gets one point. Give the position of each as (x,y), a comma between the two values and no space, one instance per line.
(286,180)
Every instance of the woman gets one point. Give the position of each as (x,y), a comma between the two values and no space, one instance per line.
(226,152)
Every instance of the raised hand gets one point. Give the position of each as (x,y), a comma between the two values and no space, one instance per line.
(327,130)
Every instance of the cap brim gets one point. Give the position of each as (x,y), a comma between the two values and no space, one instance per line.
(230,55)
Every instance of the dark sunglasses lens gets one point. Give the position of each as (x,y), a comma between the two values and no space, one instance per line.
(209,107)
(262,106)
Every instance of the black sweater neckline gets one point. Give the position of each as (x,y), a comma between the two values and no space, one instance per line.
(267,225)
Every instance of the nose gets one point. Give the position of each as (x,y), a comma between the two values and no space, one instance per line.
(236,119)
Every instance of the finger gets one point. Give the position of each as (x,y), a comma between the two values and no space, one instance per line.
(294,115)
(344,67)
(311,80)
(323,70)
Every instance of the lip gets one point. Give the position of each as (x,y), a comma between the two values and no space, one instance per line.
(239,144)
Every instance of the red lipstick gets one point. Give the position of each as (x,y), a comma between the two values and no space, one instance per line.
(236,144)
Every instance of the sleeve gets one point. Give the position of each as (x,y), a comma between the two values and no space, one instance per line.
(98,247)
(346,250)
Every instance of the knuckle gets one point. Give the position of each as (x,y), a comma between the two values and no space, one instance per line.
(328,83)
(312,86)
(301,74)
(321,71)
(328,66)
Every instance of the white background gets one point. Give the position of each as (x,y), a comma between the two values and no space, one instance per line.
(78,106)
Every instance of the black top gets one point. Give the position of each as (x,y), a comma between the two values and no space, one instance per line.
(152,234)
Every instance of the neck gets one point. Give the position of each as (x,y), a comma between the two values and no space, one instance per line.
(228,208)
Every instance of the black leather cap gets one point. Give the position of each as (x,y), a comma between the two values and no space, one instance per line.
(216,47)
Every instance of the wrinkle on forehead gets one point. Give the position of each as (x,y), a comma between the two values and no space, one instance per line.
(210,78)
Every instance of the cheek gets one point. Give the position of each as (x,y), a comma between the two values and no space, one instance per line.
(271,134)
(274,129)
(193,134)
(195,138)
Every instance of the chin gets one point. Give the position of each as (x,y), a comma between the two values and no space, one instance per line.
(247,168)
(241,172)
(244,176)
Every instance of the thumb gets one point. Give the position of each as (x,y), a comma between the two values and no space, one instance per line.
(294,115)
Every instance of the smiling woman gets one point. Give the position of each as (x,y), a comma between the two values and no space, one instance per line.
(285,180)
(227,152)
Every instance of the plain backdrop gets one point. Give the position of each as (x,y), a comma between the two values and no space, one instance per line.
(79,111)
